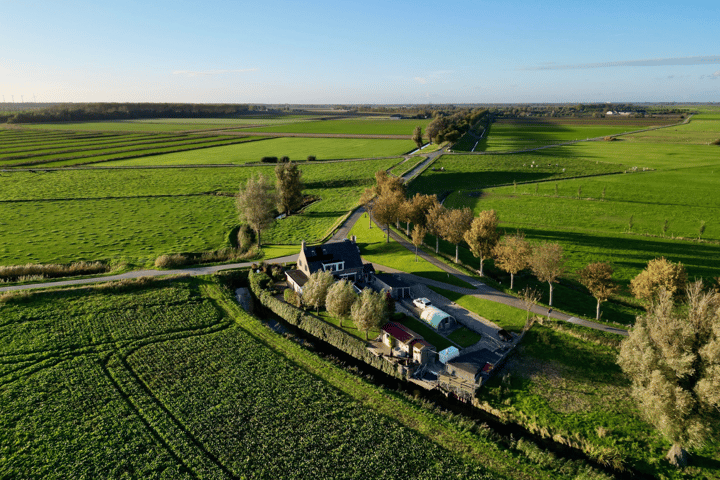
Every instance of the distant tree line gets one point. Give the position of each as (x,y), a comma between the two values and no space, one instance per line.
(450,127)
(123,111)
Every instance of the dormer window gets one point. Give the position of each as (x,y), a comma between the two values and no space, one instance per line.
(334,267)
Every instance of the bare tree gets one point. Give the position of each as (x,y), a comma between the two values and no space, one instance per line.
(316,288)
(288,187)
(483,235)
(530,298)
(418,235)
(255,203)
(512,254)
(454,224)
(385,208)
(659,274)
(434,222)
(597,278)
(547,264)
(672,357)
(340,298)
(369,310)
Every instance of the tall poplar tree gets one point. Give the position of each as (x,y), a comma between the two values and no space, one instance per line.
(255,203)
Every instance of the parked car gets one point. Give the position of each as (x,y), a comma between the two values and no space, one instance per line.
(422,303)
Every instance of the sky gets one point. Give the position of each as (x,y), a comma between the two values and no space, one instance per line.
(360,52)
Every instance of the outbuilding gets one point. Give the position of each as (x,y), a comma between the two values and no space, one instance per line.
(436,318)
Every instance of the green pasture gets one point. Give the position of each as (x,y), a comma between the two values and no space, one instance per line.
(351,127)
(126,126)
(559,385)
(504,137)
(298,149)
(68,215)
(170,379)
(474,172)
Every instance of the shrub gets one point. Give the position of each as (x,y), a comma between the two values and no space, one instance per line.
(269,159)
(169,261)
(245,238)
(292,297)
(716,142)
(29,271)
(311,158)
(285,159)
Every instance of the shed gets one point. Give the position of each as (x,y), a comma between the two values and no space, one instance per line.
(436,318)
(396,335)
(392,284)
(448,354)
(421,351)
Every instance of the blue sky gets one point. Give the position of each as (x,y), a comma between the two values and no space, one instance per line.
(360,52)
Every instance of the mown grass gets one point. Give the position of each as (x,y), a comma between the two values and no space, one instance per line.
(298,149)
(374,249)
(562,386)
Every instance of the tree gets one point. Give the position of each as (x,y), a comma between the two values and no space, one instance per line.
(417,136)
(483,235)
(454,224)
(512,253)
(672,357)
(385,208)
(597,278)
(340,298)
(547,264)
(659,274)
(288,186)
(434,222)
(368,311)
(418,235)
(530,298)
(316,288)
(255,203)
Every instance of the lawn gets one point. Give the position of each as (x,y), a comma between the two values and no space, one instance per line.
(464,337)
(504,316)
(374,249)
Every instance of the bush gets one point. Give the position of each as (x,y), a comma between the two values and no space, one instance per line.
(169,261)
(269,159)
(292,297)
(29,271)
(285,159)
(311,158)
(245,238)
(716,142)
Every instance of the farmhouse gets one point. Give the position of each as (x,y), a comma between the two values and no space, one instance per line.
(407,343)
(340,258)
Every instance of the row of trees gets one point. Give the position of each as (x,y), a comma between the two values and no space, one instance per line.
(367,311)
(257,202)
(451,127)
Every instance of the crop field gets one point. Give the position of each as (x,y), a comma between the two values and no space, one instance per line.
(298,149)
(362,126)
(560,385)
(523,134)
(155,380)
(63,216)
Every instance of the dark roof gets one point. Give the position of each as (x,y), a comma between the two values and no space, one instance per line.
(470,368)
(345,251)
(478,358)
(400,332)
(297,276)
(391,281)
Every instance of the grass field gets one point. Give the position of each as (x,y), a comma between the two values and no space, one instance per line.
(559,385)
(361,126)
(138,214)
(503,316)
(298,149)
(163,381)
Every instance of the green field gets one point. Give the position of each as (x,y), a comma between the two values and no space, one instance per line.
(160,380)
(139,214)
(361,126)
(559,385)
(298,149)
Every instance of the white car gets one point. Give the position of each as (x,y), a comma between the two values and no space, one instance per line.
(422,303)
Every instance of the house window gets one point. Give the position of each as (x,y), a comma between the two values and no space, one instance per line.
(334,267)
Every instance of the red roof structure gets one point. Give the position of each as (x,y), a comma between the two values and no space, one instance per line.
(400,332)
